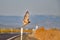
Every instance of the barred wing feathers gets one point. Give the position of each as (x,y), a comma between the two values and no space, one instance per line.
(26,18)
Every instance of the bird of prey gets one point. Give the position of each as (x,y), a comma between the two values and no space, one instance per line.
(26,18)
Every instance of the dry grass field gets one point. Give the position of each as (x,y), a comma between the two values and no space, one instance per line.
(12,30)
(39,34)
(50,34)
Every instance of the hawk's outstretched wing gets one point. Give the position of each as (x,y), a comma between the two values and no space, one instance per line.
(26,18)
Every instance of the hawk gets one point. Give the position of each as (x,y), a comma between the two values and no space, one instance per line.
(26,18)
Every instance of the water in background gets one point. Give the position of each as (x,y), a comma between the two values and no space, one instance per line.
(16,21)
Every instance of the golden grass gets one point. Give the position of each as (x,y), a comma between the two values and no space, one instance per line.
(42,34)
(13,30)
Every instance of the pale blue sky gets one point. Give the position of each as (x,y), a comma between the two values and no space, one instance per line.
(35,7)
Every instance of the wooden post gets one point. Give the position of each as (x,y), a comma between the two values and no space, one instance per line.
(21,33)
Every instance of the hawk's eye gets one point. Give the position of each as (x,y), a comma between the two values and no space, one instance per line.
(29,22)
